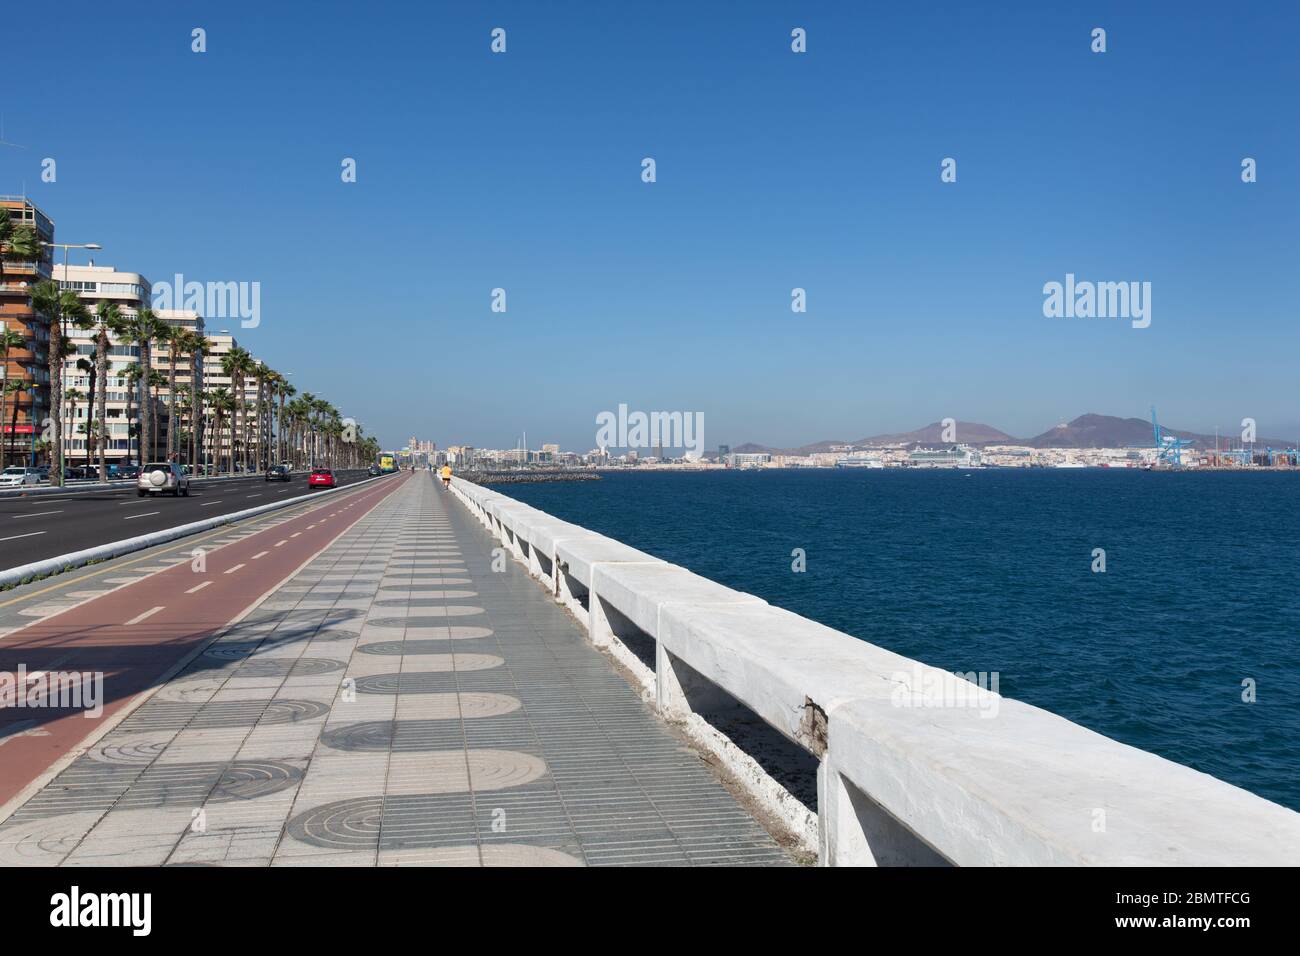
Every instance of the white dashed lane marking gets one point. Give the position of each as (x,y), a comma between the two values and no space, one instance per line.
(140,617)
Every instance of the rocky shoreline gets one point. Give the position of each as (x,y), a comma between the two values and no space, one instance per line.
(519,477)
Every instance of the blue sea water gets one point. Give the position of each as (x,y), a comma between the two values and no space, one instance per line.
(992,571)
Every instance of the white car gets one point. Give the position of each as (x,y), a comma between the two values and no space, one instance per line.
(161,477)
(16,476)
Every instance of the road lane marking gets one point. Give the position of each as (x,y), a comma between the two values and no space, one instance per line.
(145,515)
(211,503)
(37,514)
(232,570)
(260,554)
(198,587)
(285,541)
(295,534)
(30,534)
(252,496)
(140,617)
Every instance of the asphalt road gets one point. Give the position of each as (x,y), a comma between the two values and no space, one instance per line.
(45,526)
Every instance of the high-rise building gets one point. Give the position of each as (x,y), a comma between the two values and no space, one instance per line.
(26,369)
(130,292)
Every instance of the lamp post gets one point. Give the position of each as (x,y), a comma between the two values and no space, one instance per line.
(57,336)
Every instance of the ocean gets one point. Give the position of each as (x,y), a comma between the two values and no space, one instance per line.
(992,570)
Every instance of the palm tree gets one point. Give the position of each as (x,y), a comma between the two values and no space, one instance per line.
(156,381)
(174,337)
(9,339)
(14,388)
(57,306)
(108,318)
(73,396)
(147,328)
(283,391)
(88,367)
(197,346)
(237,363)
(17,243)
(133,373)
(263,373)
(222,401)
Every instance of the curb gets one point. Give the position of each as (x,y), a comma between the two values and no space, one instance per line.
(113,549)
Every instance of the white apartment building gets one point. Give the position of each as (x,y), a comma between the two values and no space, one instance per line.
(129,291)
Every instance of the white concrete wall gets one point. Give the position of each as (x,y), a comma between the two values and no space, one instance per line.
(917,766)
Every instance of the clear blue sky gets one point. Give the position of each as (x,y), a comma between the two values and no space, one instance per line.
(775,170)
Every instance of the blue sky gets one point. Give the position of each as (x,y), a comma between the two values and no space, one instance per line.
(775,170)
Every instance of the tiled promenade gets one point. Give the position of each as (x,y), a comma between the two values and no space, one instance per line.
(397,702)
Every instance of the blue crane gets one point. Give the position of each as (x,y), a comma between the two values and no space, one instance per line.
(1169,448)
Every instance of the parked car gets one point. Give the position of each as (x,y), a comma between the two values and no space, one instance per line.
(278,473)
(127,471)
(162,477)
(372,471)
(321,478)
(17,476)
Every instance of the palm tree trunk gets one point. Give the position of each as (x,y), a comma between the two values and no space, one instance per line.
(56,398)
(90,414)
(146,411)
(101,363)
(4,400)
(196,413)
(171,399)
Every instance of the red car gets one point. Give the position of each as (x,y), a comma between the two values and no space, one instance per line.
(321,478)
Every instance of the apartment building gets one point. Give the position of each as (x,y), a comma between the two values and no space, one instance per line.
(26,369)
(130,292)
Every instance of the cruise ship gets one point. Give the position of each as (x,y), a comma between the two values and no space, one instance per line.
(957,456)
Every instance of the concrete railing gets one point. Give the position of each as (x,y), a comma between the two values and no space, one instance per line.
(915,765)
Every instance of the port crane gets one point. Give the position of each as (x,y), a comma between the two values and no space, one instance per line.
(1169,448)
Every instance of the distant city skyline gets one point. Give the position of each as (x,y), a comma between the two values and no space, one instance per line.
(775,171)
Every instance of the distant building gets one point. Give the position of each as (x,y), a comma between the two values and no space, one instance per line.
(748,460)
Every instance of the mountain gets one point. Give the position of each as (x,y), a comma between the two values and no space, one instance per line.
(1108,431)
(1086,431)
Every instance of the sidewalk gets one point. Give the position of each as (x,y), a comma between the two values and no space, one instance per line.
(397,702)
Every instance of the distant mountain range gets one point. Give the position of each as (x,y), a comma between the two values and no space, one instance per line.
(1086,431)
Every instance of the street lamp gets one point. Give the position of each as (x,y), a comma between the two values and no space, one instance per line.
(57,470)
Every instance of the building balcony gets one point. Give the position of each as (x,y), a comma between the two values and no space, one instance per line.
(40,270)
